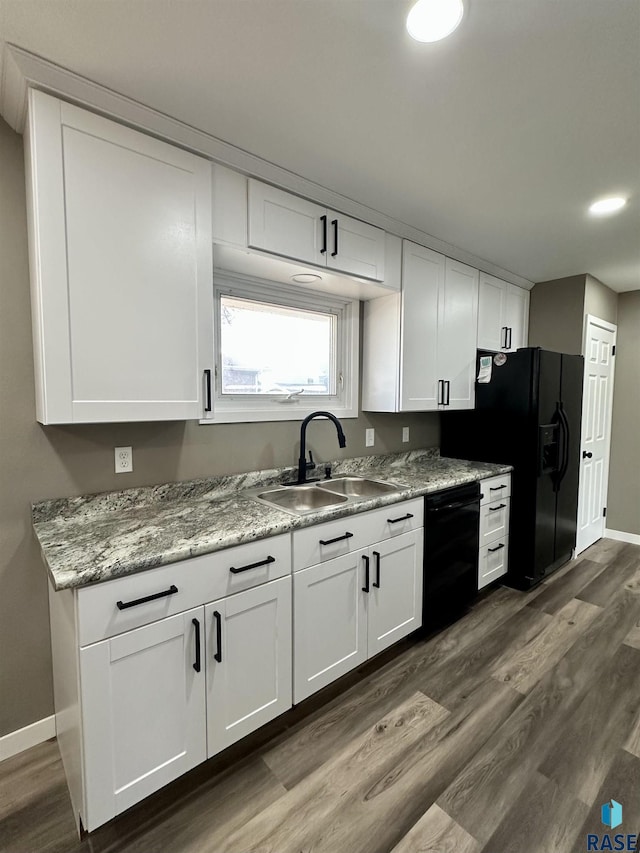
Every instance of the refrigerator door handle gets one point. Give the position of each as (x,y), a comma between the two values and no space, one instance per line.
(563,441)
(567,441)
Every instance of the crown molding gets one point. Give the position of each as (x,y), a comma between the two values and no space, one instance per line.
(22,70)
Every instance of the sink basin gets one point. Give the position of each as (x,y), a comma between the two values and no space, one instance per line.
(357,487)
(300,499)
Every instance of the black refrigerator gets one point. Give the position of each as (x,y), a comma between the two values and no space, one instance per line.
(528,414)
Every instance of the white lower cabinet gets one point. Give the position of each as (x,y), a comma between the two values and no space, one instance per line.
(495,506)
(143,712)
(248,653)
(350,608)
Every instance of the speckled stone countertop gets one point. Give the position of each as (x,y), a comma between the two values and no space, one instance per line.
(100,537)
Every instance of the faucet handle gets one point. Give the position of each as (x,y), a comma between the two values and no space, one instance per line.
(310,464)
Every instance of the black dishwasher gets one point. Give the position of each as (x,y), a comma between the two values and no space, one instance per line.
(451,533)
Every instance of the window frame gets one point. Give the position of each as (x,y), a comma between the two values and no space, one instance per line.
(254,408)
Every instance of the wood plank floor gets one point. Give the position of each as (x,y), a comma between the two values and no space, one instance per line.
(502,734)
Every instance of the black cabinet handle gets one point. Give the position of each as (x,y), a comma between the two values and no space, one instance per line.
(122,605)
(218,655)
(376,583)
(448,384)
(337,539)
(510,337)
(365,588)
(334,222)
(207,386)
(503,337)
(236,571)
(323,219)
(196,625)
(496,508)
(402,518)
(440,392)
(497,488)
(497,548)
(587,454)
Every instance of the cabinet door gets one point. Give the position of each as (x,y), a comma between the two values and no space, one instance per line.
(394,603)
(457,334)
(355,247)
(492,329)
(517,316)
(285,224)
(121,258)
(422,283)
(248,661)
(329,622)
(143,712)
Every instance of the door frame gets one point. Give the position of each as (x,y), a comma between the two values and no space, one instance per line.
(591,319)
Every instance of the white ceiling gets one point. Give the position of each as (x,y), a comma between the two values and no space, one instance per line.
(494,140)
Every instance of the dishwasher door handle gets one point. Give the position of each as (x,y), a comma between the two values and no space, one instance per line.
(454,506)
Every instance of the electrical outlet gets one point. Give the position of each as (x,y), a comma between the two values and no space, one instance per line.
(370,437)
(405,433)
(124,459)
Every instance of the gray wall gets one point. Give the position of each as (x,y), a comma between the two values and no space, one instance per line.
(600,300)
(40,462)
(556,313)
(623,511)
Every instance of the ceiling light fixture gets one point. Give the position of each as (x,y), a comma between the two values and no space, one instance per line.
(607,205)
(305,278)
(432,20)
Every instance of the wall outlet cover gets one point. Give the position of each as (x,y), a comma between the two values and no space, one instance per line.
(370,437)
(405,433)
(123,459)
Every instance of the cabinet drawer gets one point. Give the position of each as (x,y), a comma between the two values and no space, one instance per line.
(493,562)
(179,586)
(494,521)
(494,488)
(345,535)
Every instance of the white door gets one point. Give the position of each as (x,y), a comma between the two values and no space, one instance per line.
(457,335)
(122,255)
(143,712)
(492,333)
(394,601)
(597,401)
(516,317)
(422,284)
(248,661)
(287,225)
(329,622)
(355,247)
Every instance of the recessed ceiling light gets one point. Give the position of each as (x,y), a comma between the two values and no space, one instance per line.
(432,20)
(607,205)
(305,278)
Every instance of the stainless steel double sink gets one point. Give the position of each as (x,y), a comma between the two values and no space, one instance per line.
(323,494)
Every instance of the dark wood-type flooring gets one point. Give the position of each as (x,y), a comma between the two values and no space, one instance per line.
(503,734)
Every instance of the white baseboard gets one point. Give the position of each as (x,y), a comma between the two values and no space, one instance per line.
(29,736)
(622,536)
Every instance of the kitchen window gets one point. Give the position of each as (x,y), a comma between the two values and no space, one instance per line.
(282,352)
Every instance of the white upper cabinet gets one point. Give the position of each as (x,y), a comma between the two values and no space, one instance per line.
(287,225)
(121,268)
(420,345)
(503,315)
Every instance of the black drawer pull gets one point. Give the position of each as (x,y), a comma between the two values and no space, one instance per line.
(196,625)
(365,588)
(497,488)
(122,605)
(218,655)
(236,571)
(402,518)
(496,508)
(376,582)
(337,539)
(497,548)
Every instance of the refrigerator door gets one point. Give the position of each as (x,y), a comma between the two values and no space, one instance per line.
(567,495)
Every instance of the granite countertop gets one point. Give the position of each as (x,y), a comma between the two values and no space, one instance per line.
(97,538)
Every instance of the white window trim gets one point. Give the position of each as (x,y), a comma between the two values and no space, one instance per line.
(240,409)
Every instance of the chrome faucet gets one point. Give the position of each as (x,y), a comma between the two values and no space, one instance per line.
(303,465)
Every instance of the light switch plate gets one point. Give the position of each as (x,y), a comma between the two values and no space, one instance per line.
(123,459)
(370,437)
(405,433)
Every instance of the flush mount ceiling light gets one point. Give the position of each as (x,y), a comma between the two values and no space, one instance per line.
(607,205)
(432,20)
(305,278)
